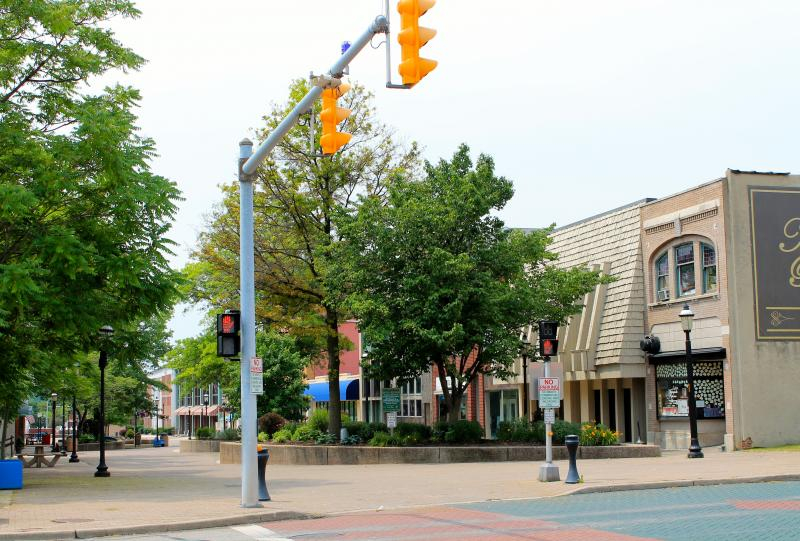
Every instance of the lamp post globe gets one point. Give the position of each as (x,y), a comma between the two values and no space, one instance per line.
(687,320)
(105,333)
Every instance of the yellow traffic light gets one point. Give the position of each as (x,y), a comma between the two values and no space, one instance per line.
(331,116)
(412,37)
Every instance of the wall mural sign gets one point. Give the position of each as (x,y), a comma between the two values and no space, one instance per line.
(775,230)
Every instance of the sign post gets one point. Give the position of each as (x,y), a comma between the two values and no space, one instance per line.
(549,397)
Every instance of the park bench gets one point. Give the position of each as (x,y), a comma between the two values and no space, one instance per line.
(38,458)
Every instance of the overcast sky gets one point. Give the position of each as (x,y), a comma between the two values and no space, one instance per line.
(585,105)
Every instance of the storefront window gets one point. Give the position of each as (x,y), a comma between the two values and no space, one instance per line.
(709,269)
(673,393)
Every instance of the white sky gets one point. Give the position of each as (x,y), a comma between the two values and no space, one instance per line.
(585,105)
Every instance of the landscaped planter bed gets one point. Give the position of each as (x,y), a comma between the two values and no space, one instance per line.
(110,446)
(318,455)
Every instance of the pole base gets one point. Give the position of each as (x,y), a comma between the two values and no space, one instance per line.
(102,473)
(74,459)
(695,454)
(548,472)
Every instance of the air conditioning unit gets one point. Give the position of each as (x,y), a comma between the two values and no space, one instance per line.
(663,295)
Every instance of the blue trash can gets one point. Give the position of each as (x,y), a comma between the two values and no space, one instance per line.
(10,474)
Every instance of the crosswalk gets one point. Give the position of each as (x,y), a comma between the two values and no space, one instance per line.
(259,533)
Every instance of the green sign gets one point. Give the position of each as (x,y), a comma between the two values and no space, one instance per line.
(391,400)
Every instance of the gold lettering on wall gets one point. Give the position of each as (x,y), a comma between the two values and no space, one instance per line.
(794,223)
(790,233)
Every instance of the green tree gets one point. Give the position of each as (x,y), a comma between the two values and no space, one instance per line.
(298,195)
(196,361)
(438,281)
(82,218)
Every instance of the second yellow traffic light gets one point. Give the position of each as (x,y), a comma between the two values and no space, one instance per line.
(331,116)
(411,38)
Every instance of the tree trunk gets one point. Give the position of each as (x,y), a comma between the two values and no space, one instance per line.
(335,404)
(454,408)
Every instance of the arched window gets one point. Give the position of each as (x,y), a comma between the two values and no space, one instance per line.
(662,278)
(709,268)
(684,269)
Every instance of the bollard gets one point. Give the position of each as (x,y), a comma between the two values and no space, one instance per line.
(572,446)
(263,456)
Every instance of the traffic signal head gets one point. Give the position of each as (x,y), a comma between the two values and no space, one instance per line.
(412,37)
(331,116)
(228,341)
(548,343)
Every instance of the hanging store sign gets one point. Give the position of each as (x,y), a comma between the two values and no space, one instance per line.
(775,230)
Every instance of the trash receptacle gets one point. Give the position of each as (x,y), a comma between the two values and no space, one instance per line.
(263,457)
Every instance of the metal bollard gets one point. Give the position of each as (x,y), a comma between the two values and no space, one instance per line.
(572,446)
(263,456)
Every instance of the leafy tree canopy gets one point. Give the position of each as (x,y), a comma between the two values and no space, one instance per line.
(82,218)
(437,280)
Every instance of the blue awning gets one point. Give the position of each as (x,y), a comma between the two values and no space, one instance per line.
(348,390)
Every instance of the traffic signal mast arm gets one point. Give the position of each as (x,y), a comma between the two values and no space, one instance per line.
(379,26)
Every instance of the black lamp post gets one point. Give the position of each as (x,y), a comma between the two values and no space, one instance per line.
(74,456)
(687,316)
(157,400)
(105,332)
(225,410)
(53,445)
(63,428)
(524,350)
(205,410)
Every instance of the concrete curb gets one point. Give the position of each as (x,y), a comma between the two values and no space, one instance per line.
(683,483)
(267,516)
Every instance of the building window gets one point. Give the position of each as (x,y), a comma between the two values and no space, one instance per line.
(411,398)
(673,393)
(684,269)
(662,278)
(709,269)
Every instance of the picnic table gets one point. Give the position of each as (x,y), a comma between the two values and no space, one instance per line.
(38,458)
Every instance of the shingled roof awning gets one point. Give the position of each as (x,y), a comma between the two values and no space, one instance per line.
(679,356)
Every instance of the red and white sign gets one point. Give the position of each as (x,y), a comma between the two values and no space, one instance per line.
(256,365)
(549,393)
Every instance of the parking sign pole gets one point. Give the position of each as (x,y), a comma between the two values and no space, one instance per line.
(548,471)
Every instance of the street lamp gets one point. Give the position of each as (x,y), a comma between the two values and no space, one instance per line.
(225,409)
(687,317)
(54,398)
(74,456)
(63,428)
(105,333)
(524,351)
(205,412)
(157,400)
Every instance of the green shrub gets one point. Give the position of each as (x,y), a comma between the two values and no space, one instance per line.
(464,432)
(384,439)
(562,429)
(282,436)
(204,433)
(129,433)
(86,438)
(413,433)
(325,439)
(263,436)
(229,434)
(352,440)
(439,430)
(319,420)
(597,434)
(365,431)
(270,423)
(305,432)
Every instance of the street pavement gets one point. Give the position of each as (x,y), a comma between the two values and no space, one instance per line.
(157,490)
(716,512)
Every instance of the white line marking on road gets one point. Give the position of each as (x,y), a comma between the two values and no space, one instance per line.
(259,533)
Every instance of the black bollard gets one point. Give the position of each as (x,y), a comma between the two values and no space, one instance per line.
(572,446)
(263,456)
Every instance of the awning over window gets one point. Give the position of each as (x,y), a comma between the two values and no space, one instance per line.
(348,390)
(679,356)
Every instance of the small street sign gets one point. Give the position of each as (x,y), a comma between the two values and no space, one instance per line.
(256,375)
(391,400)
(549,416)
(549,393)
(391,419)
(256,365)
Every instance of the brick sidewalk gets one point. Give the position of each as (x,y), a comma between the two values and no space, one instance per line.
(152,488)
